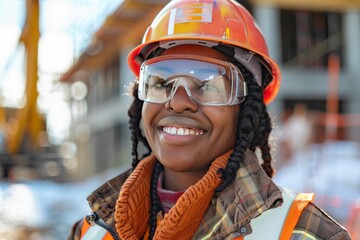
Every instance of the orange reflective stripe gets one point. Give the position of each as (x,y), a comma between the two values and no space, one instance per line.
(108,237)
(298,205)
(239,238)
(84,228)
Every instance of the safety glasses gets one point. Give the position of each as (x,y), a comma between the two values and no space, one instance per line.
(207,81)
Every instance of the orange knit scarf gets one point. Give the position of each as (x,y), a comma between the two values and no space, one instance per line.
(133,204)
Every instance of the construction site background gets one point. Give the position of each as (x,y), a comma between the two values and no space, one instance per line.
(63,108)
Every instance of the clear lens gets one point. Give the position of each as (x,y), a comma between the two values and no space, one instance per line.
(206,81)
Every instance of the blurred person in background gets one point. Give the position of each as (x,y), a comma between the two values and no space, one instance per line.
(297,131)
(204,78)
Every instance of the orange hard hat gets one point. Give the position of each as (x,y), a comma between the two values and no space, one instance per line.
(209,23)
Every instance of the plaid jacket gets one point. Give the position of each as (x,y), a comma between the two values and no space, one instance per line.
(230,213)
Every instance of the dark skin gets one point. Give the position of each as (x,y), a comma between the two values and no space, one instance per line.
(185,136)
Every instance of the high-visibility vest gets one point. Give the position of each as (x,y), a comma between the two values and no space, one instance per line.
(94,232)
(279,223)
(274,224)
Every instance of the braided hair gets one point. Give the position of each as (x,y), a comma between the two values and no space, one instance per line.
(137,137)
(253,130)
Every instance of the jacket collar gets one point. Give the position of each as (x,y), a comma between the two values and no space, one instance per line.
(252,193)
(102,201)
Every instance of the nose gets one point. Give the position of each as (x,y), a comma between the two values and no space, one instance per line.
(181,101)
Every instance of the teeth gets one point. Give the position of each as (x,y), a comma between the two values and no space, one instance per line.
(173,131)
(181,131)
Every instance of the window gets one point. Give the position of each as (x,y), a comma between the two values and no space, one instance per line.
(308,37)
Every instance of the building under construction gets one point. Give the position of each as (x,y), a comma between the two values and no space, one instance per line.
(314,42)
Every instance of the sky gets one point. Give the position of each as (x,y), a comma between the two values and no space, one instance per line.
(66,29)
(11,21)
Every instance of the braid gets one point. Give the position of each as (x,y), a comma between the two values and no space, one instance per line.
(136,137)
(254,127)
(155,202)
(134,113)
(266,156)
(261,140)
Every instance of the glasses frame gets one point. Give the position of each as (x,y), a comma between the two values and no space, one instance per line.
(238,88)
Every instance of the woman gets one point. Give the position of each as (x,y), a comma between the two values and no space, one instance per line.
(204,78)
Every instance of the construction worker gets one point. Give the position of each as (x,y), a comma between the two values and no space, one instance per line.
(203,80)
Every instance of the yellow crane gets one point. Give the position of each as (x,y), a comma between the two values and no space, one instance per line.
(26,122)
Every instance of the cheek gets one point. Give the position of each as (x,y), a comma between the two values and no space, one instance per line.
(225,121)
(148,113)
(236,113)
(233,123)
(228,117)
(146,119)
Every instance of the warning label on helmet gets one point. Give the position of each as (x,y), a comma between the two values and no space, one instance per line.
(191,12)
(196,12)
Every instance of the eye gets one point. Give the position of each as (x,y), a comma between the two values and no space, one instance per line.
(209,87)
(160,85)
(157,82)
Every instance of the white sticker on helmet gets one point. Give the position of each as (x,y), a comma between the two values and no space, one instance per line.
(192,12)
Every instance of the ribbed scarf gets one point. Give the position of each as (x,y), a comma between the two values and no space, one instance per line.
(133,204)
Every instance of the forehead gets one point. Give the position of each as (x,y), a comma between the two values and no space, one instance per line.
(195,50)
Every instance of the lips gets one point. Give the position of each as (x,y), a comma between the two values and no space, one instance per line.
(182,131)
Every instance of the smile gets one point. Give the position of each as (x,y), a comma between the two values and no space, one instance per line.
(182,131)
